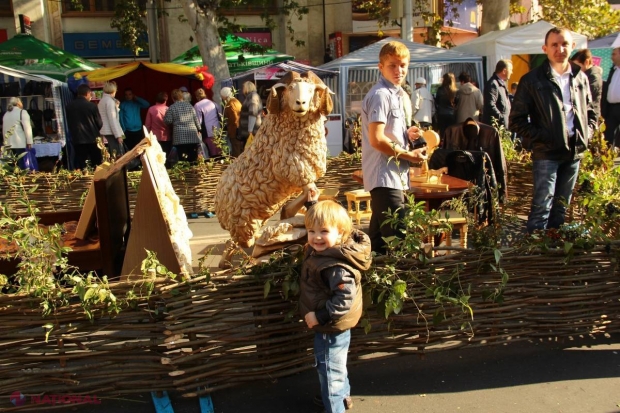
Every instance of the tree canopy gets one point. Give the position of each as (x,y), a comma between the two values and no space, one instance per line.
(592,18)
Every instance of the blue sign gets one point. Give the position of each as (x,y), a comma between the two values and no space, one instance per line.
(98,45)
(466,16)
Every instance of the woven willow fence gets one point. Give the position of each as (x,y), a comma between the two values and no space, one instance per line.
(233,335)
(195,186)
(217,333)
(214,333)
(103,357)
(520,186)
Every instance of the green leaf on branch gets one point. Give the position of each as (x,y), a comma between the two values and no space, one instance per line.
(498,255)
(266,288)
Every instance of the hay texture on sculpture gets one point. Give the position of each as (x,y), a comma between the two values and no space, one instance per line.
(288,154)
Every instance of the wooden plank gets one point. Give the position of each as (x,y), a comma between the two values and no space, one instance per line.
(87,220)
(113,219)
(129,156)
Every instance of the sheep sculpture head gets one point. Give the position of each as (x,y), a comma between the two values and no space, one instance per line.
(300,96)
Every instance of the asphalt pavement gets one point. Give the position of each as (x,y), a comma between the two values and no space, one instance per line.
(525,377)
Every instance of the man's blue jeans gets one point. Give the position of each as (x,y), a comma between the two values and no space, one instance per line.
(553,186)
(330,353)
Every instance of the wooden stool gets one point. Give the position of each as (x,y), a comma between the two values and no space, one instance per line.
(355,198)
(458,222)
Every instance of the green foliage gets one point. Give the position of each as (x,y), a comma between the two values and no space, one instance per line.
(511,152)
(595,209)
(416,226)
(598,198)
(592,18)
(129,21)
(220,137)
(282,270)
(434,21)
(43,270)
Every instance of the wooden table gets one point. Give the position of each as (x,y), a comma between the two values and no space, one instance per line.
(433,197)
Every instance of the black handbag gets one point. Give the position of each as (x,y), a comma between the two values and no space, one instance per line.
(10,89)
(34,88)
(49,114)
(28,88)
(36,117)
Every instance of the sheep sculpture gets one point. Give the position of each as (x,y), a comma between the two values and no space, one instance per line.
(288,154)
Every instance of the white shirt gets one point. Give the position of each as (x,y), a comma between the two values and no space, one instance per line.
(17,121)
(564,82)
(613,92)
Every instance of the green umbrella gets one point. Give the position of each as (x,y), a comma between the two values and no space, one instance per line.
(31,55)
(241,54)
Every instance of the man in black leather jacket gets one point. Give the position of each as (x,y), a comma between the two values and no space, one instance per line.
(554,115)
(496,97)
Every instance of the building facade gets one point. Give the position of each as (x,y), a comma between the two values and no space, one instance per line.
(87,32)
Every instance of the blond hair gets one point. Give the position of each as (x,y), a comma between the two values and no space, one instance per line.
(109,87)
(248,87)
(331,214)
(200,94)
(13,102)
(394,48)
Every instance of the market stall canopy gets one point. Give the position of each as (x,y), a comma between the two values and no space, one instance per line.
(241,55)
(611,41)
(31,55)
(109,73)
(275,71)
(502,44)
(429,62)
(147,79)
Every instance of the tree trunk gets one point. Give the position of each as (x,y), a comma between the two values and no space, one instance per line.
(495,15)
(203,24)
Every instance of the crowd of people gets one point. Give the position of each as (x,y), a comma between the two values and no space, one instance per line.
(183,130)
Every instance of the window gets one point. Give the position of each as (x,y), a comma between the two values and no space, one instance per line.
(6,8)
(90,7)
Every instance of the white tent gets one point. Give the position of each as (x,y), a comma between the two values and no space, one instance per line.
(502,44)
(610,41)
(426,61)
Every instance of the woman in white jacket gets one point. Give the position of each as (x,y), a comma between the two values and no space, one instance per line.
(111,128)
(16,129)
